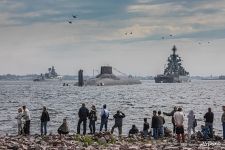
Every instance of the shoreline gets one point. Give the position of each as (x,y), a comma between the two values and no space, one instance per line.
(105,141)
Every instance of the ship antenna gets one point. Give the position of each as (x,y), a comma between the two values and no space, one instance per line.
(174,49)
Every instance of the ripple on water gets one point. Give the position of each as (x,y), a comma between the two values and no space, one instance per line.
(136,101)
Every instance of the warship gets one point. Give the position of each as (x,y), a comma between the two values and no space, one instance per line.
(174,72)
(51,75)
(106,78)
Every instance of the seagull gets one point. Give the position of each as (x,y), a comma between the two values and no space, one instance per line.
(171,35)
(70,22)
(74,16)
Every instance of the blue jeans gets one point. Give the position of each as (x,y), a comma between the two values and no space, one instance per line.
(161,131)
(92,126)
(224,130)
(104,122)
(145,132)
(44,125)
(210,126)
(155,133)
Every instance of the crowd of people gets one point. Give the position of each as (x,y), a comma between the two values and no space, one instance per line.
(157,123)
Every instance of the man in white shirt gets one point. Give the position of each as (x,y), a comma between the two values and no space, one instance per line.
(26,116)
(179,120)
(104,118)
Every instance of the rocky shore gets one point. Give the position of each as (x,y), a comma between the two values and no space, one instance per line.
(102,141)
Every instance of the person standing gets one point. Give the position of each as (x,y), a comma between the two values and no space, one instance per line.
(155,125)
(104,118)
(179,120)
(118,122)
(191,123)
(223,122)
(209,117)
(172,119)
(19,121)
(145,127)
(26,116)
(161,123)
(44,119)
(83,115)
(93,118)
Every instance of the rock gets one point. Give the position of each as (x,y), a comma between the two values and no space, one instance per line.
(102,140)
(133,147)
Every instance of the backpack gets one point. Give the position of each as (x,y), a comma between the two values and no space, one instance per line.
(195,123)
(104,116)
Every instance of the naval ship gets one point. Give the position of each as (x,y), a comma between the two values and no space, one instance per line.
(106,78)
(51,75)
(174,72)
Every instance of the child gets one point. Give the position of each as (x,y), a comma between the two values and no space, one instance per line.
(145,127)
(19,121)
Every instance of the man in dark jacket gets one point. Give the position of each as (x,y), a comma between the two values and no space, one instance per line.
(155,125)
(209,116)
(172,119)
(118,122)
(44,119)
(83,115)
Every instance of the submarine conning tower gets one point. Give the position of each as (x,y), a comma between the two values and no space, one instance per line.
(106,72)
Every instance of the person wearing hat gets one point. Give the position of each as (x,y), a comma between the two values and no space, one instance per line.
(223,122)
(93,118)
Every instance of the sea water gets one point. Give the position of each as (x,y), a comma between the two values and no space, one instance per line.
(136,101)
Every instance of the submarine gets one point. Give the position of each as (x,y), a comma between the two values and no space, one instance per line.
(106,78)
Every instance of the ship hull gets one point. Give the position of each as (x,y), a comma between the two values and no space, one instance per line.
(171,79)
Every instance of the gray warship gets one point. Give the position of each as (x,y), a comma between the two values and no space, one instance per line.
(51,75)
(106,78)
(174,72)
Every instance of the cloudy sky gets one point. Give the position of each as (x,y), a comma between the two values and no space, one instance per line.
(36,34)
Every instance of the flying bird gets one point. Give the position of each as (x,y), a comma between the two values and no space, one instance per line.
(70,22)
(74,16)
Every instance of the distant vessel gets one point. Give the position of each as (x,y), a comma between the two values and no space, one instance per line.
(174,72)
(106,77)
(50,76)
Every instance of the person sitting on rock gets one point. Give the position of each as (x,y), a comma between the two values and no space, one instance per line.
(63,129)
(133,131)
(118,122)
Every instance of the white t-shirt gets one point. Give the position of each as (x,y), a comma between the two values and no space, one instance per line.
(26,115)
(19,118)
(178,118)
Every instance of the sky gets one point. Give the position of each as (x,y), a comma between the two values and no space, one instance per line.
(35,35)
